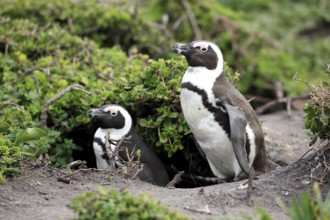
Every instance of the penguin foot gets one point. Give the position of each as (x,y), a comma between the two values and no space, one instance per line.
(225,180)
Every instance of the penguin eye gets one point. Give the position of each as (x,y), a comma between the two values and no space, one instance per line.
(113,113)
(203,49)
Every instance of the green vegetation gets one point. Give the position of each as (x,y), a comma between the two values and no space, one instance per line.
(317,110)
(39,62)
(107,23)
(113,204)
(18,139)
(308,208)
(305,206)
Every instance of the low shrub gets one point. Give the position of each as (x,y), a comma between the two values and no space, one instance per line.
(39,62)
(113,204)
(305,207)
(18,140)
(317,110)
(107,24)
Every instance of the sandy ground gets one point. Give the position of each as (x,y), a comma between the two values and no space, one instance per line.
(36,194)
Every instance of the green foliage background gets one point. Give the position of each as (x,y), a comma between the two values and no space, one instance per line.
(119,52)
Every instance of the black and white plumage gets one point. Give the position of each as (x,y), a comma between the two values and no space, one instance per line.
(222,121)
(115,120)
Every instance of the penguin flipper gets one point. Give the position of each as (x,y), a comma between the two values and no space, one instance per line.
(237,123)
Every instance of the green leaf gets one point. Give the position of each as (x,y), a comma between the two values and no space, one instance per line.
(325,84)
(41,76)
(174,115)
(162,137)
(30,134)
(143,122)
(313,140)
(4,126)
(307,122)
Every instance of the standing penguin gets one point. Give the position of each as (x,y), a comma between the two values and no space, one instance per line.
(116,120)
(222,121)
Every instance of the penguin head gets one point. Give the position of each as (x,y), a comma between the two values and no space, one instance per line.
(113,117)
(201,54)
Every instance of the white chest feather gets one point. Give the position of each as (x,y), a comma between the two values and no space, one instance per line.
(203,79)
(210,136)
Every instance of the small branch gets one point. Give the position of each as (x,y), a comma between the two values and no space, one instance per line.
(9,102)
(192,19)
(43,117)
(304,81)
(254,98)
(278,87)
(64,180)
(108,151)
(176,179)
(309,150)
(137,172)
(120,143)
(67,178)
(326,68)
(131,164)
(201,209)
(285,100)
(288,105)
(178,22)
(91,62)
(77,164)
(4,20)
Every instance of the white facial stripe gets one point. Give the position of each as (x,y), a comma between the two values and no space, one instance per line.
(201,44)
(206,44)
(202,77)
(117,134)
(111,109)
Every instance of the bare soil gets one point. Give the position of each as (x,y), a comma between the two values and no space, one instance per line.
(37,194)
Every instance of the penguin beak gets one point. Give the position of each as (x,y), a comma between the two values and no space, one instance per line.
(183,49)
(94,112)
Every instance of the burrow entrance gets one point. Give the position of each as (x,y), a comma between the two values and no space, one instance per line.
(195,174)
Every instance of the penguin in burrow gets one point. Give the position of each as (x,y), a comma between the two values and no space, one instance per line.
(115,121)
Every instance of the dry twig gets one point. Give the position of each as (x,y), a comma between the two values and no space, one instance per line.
(192,19)
(137,172)
(77,164)
(108,151)
(43,117)
(176,179)
(4,20)
(91,62)
(286,100)
(132,165)
(64,180)
(319,167)
(120,143)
